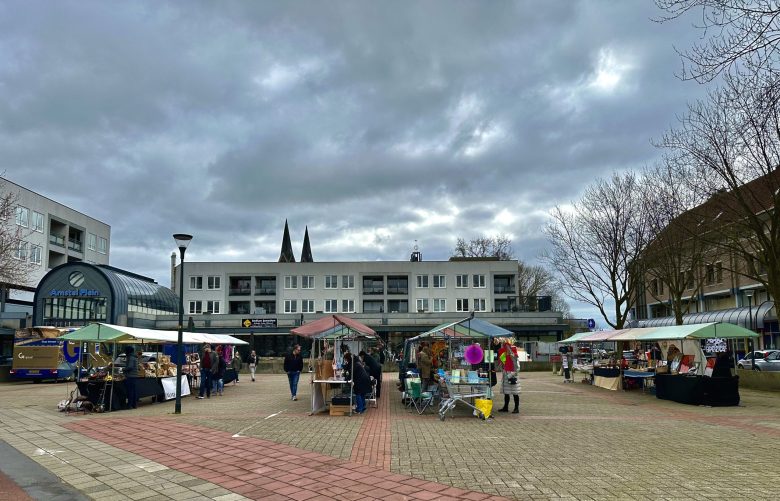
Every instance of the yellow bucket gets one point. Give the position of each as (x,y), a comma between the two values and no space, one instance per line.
(485,406)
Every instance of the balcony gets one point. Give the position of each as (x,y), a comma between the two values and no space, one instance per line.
(503,289)
(57,240)
(240,291)
(373,290)
(75,245)
(265,291)
(398,290)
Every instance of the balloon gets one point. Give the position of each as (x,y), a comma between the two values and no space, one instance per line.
(473,354)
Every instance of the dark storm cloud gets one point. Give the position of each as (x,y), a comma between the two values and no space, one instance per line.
(377,124)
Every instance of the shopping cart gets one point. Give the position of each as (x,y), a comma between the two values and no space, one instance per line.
(461,390)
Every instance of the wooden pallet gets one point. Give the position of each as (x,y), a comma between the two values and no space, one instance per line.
(339,410)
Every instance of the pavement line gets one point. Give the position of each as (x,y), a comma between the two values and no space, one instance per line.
(238,434)
(43,452)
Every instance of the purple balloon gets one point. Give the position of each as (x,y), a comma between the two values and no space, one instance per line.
(473,354)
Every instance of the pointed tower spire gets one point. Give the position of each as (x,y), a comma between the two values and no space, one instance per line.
(286,255)
(306,256)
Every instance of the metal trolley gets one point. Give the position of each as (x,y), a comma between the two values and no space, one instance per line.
(462,391)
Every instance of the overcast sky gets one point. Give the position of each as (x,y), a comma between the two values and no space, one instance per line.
(375,123)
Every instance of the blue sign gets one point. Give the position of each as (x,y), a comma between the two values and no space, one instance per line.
(71,351)
(591,323)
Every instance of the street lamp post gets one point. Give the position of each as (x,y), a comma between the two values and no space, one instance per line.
(182,241)
(749,295)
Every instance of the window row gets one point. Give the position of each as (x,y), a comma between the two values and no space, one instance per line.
(713,274)
(328,306)
(196,307)
(23,219)
(26,251)
(461,304)
(96,243)
(309,281)
(212,283)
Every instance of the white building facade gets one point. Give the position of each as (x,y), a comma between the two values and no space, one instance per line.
(54,234)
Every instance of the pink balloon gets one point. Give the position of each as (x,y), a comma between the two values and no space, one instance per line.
(473,354)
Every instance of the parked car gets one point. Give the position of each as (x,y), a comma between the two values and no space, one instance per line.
(747,362)
(769,364)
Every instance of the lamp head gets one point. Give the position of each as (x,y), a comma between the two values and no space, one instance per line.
(749,293)
(182,240)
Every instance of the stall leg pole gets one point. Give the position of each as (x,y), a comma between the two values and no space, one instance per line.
(113,382)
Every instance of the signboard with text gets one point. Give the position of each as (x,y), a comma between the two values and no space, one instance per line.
(258,322)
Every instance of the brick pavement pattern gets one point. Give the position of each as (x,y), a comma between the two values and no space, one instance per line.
(9,491)
(569,442)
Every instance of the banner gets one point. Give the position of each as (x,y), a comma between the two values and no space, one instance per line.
(169,387)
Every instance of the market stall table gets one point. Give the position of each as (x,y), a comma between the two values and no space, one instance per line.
(698,390)
(643,376)
(606,377)
(115,393)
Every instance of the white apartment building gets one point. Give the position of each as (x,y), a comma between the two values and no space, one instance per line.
(54,234)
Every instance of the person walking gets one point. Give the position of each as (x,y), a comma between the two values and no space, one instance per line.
(293,365)
(208,365)
(236,365)
(252,360)
(131,375)
(507,361)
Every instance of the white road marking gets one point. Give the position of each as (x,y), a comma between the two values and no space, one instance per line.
(52,453)
(238,435)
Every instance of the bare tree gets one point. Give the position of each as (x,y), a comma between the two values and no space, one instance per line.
(732,143)
(499,246)
(536,280)
(738,34)
(15,267)
(675,255)
(595,246)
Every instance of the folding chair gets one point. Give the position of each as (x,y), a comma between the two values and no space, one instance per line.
(420,399)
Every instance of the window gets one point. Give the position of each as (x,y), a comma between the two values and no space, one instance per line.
(307,282)
(439,305)
(422,281)
(689,279)
(348,306)
(719,272)
(422,305)
(91,241)
(307,306)
(331,305)
(710,273)
(654,287)
(291,282)
(478,281)
(439,282)
(347,281)
(462,305)
(22,216)
(212,307)
(37,222)
(331,281)
(21,251)
(214,283)
(35,254)
(196,283)
(461,281)
(196,307)
(102,245)
(290,306)
(479,305)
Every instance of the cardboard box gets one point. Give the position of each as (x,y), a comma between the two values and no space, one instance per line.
(339,410)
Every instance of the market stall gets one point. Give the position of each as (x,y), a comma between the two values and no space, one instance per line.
(101,387)
(462,356)
(692,365)
(331,336)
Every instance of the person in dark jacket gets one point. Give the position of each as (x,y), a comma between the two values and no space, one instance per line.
(208,366)
(374,370)
(131,375)
(293,365)
(220,375)
(361,383)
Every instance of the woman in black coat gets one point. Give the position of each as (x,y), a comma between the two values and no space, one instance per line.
(360,382)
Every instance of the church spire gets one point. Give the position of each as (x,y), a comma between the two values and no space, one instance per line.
(286,255)
(306,256)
